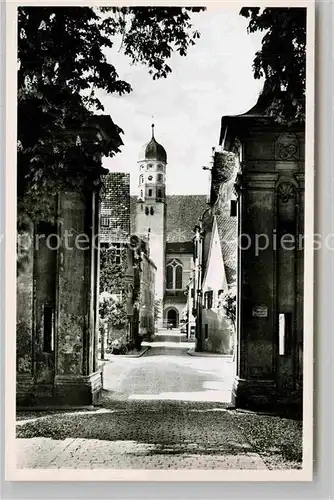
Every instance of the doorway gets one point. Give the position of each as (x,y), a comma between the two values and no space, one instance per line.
(173,318)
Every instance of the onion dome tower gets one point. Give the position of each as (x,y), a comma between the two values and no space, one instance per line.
(151,209)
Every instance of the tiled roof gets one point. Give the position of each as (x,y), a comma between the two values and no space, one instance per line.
(133,204)
(183,212)
(207,228)
(227,230)
(115,207)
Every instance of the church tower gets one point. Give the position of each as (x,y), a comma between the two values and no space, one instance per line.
(151,208)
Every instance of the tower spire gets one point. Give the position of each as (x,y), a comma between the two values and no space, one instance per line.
(152,127)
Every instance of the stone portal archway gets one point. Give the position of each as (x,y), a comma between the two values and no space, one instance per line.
(172,317)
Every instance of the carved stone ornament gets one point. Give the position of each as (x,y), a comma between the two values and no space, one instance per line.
(287,148)
(286,191)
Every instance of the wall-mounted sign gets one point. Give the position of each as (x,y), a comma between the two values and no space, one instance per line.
(260,311)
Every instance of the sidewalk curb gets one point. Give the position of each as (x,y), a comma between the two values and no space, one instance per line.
(124,356)
(203,354)
(140,353)
(56,408)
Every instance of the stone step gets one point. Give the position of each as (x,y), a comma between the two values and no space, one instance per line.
(170,336)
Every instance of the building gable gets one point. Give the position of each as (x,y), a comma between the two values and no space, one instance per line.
(215,277)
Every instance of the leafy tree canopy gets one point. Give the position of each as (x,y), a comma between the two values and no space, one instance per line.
(113,266)
(157,309)
(61,65)
(281,59)
(112,311)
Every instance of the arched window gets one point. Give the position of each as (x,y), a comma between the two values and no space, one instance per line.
(174,272)
(152,211)
(141,193)
(169,277)
(146,211)
(150,192)
(178,277)
(141,179)
(160,167)
(159,193)
(160,178)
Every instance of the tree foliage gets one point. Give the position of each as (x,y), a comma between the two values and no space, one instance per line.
(62,63)
(118,315)
(281,59)
(113,265)
(112,311)
(157,309)
(229,304)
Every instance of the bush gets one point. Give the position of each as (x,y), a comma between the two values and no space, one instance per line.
(230,305)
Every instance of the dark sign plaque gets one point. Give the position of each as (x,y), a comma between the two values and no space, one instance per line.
(260,311)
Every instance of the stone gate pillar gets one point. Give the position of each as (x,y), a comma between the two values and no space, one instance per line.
(256,315)
(77,376)
(270,266)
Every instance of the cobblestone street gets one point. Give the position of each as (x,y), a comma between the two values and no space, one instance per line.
(163,410)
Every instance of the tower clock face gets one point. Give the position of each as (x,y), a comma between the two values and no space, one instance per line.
(150,178)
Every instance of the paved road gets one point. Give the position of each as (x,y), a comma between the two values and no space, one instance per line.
(166,371)
(164,410)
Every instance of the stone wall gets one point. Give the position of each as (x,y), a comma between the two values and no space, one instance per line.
(217,331)
(57,300)
(24,310)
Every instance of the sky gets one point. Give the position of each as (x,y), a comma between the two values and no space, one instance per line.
(213,80)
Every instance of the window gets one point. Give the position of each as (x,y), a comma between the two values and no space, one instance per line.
(150,178)
(117,249)
(159,195)
(206,334)
(150,192)
(174,272)
(233,211)
(152,211)
(48,329)
(195,250)
(160,167)
(141,193)
(150,166)
(141,179)
(147,211)
(105,222)
(208,299)
(178,277)
(160,178)
(169,277)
